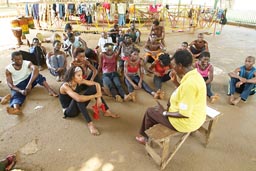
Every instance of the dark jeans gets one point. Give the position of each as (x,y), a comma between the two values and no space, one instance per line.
(18,98)
(136,80)
(196,51)
(112,81)
(153,117)
(96,79)
(159,80)
(75,107)
(245,89)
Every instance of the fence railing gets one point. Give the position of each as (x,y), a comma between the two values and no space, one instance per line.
(242,17)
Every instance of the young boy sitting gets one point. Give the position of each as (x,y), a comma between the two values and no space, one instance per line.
(243,81)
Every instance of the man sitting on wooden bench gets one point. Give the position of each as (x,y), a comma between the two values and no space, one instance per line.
(187,109)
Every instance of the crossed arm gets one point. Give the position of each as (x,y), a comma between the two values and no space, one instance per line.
(34,75)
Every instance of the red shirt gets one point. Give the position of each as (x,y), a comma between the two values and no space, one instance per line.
(160,69)
(109,63)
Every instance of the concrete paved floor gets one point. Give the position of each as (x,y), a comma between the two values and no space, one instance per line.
(62,145)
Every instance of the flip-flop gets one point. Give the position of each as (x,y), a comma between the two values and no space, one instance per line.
(141,140)
(11,162)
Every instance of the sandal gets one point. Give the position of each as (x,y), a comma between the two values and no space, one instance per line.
(133,96)
(119,99)
(140,139)
(11,162)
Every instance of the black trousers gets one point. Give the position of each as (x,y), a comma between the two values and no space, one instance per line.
(75,107)
(152,117)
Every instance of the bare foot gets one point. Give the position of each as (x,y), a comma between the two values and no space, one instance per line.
(13,111)
(236,101)
(53,93)
(110,114)
(214,98)
(5,99)
(93,130)
(231,99)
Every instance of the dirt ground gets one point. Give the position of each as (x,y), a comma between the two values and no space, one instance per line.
(45,141)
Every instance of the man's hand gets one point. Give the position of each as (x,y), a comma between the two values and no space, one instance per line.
(28,88)
(238,84)
(173,75)
(242,79)
(98,89)
(140,84)
(23,92)
(59,69)
(136,87)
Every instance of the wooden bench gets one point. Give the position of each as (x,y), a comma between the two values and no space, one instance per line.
(161,137)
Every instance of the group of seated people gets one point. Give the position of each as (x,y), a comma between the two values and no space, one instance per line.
(90,74)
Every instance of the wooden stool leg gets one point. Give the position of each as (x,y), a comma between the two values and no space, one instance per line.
(165,153)
(210,130)
(176,148)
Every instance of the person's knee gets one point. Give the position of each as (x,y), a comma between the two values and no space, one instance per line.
(149,111)
(40,79)
(107,82)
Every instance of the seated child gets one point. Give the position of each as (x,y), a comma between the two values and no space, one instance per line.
(206,70)
(133,72)
(56,61)
(198,46)
(161,69)
(110,77)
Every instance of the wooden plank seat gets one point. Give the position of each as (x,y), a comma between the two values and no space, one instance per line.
(163,143)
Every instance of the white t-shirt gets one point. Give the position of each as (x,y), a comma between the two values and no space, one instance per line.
(102,42)
(19,75)
(76,43)
(121,8)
